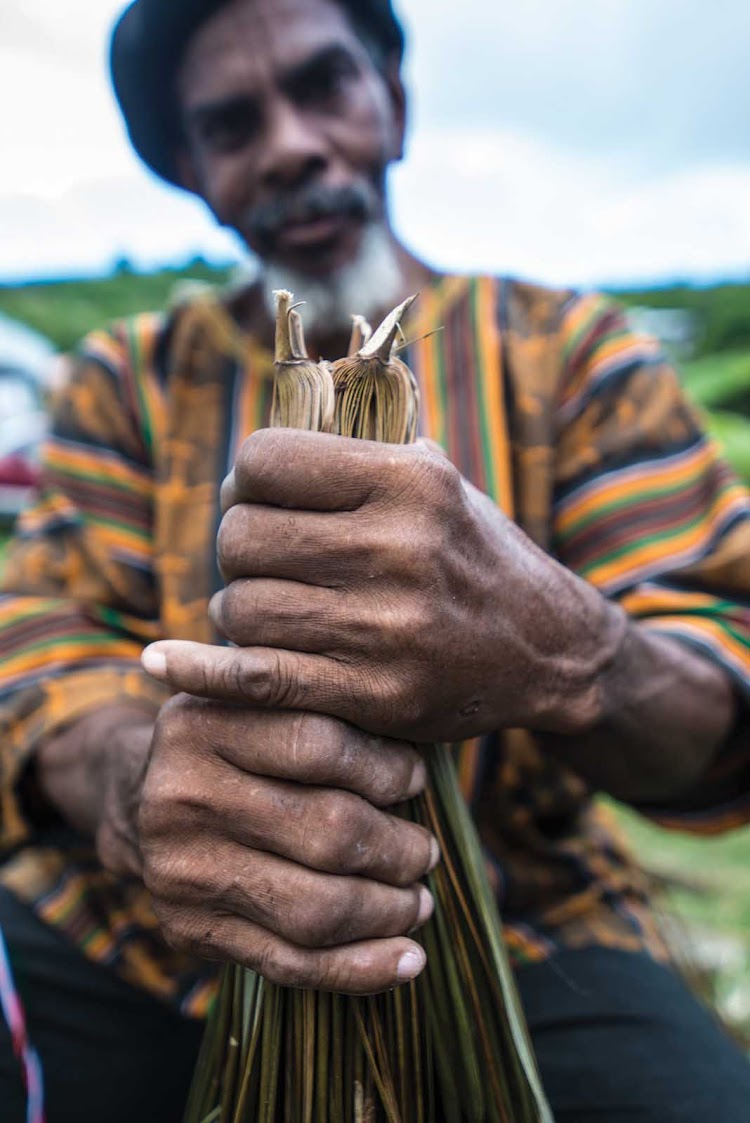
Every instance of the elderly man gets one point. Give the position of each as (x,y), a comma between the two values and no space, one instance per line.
(565,595)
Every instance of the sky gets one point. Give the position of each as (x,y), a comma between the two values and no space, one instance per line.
(568,141)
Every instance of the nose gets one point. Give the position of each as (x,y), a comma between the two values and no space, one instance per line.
(294,151)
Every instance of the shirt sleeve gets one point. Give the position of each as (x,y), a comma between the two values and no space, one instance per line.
(646,509)
(78,595)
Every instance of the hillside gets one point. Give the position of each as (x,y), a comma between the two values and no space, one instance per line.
(65,309)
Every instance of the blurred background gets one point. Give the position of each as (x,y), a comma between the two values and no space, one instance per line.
(603,143)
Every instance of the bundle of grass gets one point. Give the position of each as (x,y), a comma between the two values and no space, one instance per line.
(451,1046)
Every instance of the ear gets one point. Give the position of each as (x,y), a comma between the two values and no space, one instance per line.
(397,98)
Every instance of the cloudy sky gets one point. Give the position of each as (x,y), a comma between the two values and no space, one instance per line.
(567,140)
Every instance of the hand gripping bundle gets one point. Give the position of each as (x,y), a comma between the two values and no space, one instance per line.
(451,1046)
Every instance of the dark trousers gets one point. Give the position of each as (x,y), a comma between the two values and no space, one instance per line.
(617,1038)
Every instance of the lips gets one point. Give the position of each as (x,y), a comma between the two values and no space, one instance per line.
(310,232)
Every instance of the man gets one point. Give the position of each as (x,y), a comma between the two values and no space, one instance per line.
(565,594)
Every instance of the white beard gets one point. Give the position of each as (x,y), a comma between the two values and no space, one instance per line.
(370,284)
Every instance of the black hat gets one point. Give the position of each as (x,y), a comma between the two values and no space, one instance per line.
(148,42)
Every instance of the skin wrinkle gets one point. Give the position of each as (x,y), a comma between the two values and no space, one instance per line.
(462,582)
(216,64)
(417,543)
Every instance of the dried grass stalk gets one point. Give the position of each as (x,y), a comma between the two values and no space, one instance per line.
(303,394)
(450,1047)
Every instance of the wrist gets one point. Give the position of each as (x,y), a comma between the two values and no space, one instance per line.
(590,635)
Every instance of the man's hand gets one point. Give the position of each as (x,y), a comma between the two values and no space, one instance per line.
(264,840)
(92,773)
(372,582)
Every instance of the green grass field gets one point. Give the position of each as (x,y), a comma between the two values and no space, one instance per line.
(720,384)
(715,872)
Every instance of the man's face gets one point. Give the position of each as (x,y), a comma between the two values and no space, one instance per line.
(290,128)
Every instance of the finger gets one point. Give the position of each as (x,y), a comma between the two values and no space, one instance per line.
(310,471)
(228,493)
(303,618)
(305,748)
(266,677)
(313,548)
(432,446)
(269,613)
(367,967)
(325,829)
(307,907)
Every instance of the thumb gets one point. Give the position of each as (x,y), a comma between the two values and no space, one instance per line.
(266,677)
(433,446)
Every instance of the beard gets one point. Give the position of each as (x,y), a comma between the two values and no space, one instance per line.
(367,285)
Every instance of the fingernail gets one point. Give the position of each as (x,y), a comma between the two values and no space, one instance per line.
(426,905)
(410,964)
(154,662)
(418,780)
(434,854)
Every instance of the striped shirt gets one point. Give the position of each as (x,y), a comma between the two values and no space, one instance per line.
(548,402)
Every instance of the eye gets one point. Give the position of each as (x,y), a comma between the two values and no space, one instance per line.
(227,128)
(324,82)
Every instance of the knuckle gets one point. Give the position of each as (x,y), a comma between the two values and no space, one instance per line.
(237,606)
(160,876)
(174,717)
(169,923)
(390,781)
(228,492)
(171,799)
(320,743)
(230,539)
(441,474)
(395,553)
(397,701)
(247,456)
(284,970)
(271,958)
(307,923)
(180,725)
(258,455)
(174,924)
(154,813)
(325,920)
(271,683)
(245,675)
(333,833)
(424,618)
(187,931)
(263,959)
(413,845)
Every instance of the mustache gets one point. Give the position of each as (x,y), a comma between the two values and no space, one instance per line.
(305,204)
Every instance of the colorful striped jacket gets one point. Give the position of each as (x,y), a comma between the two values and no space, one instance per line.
(545,400)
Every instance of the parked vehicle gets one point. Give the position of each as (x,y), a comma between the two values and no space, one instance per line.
(26,366)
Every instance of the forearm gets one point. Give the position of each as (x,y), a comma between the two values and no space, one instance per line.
(91,772)
(655,716)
